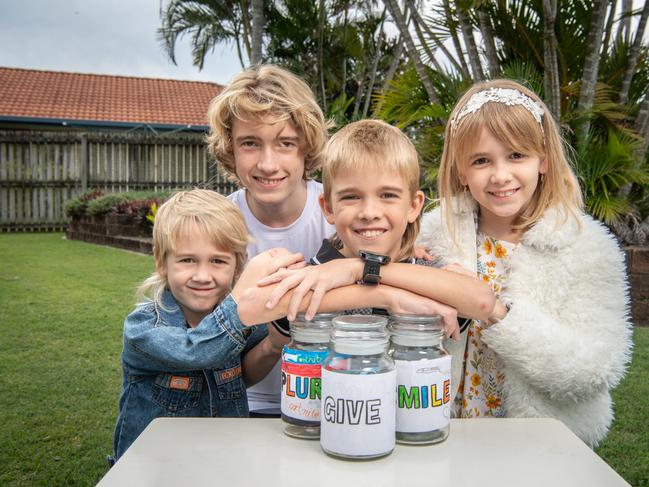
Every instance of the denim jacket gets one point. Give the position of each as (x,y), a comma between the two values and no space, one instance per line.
(170,369)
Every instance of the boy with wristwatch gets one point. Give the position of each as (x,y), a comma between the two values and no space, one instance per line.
(372,197)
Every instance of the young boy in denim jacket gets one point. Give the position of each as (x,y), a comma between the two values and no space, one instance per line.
(267,132)
(185,350)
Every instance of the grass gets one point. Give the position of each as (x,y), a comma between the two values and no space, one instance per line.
(626,448)
(62,304)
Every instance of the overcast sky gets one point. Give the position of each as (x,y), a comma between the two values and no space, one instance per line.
(100,36)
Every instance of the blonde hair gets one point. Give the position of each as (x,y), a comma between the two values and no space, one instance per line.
(516,128)
(275,95)
(189,212)
(372,146)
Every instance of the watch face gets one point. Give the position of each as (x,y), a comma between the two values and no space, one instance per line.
(371,256)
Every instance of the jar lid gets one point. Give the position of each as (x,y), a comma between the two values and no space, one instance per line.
(360,334)
(417,321)
(319,321)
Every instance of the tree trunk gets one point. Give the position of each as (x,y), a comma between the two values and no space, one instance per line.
(640,125)
(247,28)
(397,15)
(452,23)
(321,21)
(393,65)
(634,55)
(375,64)
(257,29)
(469,42)
(624,27)
(609,26)
(591,68)
(343,84)
(551,80)
(487,32)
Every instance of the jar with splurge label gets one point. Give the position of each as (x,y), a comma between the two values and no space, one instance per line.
(423,379)
(301,368)
(358,389)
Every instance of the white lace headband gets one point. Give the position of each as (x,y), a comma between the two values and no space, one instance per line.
(508,96)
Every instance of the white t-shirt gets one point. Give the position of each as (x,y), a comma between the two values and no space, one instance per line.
(304,235)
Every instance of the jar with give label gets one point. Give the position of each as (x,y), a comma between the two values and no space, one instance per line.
(423,379)
(358,389)
(301,368)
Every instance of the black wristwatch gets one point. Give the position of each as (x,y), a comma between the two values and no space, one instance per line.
(372,269)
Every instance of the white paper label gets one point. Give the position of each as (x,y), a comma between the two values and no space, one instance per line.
(423,394)
(358,413)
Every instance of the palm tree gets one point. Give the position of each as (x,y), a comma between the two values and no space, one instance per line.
(573,54)
(209,23)
(413,54)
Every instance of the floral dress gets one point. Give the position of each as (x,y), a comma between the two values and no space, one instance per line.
(481,387)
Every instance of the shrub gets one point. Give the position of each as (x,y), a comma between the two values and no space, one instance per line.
(78,206)
(106,204)
(136,203)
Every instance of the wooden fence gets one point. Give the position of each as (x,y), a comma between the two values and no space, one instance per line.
(41,171)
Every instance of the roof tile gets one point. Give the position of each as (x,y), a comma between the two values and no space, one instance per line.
(95,97)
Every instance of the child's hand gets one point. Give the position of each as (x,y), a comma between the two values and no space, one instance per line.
(421,253)
(319,279)
(265,264)
(405,302)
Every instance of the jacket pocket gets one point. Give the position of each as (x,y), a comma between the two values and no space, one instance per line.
(229,382)
(176,393)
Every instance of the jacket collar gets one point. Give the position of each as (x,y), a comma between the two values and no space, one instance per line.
(168,311)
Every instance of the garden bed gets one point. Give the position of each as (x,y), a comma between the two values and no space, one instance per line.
(115,230)
(122,220)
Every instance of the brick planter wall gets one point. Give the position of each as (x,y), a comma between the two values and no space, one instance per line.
(638,267)
(116,230)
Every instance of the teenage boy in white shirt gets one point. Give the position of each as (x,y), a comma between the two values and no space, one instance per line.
(267,132)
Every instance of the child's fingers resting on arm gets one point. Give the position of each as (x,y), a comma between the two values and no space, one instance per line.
(421,253)
(406,302)
(455,267)
(264,264)
(319,279)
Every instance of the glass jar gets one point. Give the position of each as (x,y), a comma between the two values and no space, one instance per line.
(301,368)
(358,389)
(423,379)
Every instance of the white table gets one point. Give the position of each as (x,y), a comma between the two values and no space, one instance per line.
(242,452)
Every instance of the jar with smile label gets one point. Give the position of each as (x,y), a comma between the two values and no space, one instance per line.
(358,389)
(301,369)
(423,379)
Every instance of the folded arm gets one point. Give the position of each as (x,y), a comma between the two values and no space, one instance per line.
(471,297)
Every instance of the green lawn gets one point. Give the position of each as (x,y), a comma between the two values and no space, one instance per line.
(62,304)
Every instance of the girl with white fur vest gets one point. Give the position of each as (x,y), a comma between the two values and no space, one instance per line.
(559,338)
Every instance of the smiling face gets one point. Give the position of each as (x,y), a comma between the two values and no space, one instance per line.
(501,180)
(269,162)
(198,273)
(371,213)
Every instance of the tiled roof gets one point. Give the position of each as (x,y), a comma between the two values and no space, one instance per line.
(93,97)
